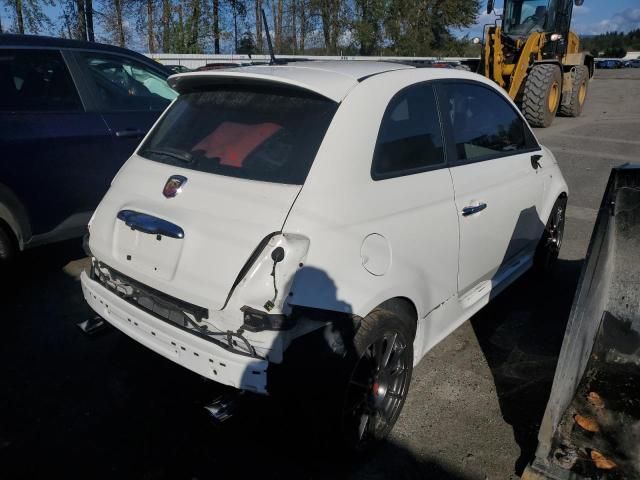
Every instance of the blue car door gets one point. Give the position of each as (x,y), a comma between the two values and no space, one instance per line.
(49,143)
(129,93)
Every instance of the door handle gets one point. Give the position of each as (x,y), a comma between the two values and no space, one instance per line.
(466,211)
(535,161)
(150,224)
(130,133)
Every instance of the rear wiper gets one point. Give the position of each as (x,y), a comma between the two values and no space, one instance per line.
(170,152)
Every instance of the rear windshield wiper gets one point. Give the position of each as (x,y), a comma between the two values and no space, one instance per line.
(170,152)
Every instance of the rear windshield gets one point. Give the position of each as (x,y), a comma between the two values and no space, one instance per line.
(265,134)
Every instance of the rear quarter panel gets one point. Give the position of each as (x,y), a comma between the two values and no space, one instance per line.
(340,205)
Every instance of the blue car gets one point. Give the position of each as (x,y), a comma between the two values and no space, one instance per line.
(608,64)
(71,113)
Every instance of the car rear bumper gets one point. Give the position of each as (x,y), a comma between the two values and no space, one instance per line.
(197,354)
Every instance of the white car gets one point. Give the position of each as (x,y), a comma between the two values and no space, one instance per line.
(380,204)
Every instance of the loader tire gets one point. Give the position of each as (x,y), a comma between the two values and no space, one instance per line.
(541,97)
(578,95)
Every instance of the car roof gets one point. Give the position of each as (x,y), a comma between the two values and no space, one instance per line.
(332,79)
(42,41)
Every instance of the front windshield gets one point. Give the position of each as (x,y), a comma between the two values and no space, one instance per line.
(521,17)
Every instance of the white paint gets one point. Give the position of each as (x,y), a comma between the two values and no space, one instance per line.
(319,77)
(375,254)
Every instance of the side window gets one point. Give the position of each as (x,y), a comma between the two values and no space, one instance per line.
(122,84)
(410,137)
(36,80)
(483,123)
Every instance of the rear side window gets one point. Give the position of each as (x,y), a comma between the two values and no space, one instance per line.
(264,134)
(32,80)
(484,125)
(122,84)
(410,137)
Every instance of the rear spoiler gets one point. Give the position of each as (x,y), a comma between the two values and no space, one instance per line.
(326,84)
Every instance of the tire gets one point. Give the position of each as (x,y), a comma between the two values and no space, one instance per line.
(546,256)
(378,373)
(541,96)
(578,95)
(8,247)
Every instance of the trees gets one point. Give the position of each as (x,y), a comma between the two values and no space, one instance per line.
(331,13)
(365,27)
(89,19)
(112,16)
(29,16)
(82,19)
(151,13)
(246,44)
(77,19)
(611,44)
(422,28)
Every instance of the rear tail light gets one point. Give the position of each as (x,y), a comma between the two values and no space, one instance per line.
(257,321)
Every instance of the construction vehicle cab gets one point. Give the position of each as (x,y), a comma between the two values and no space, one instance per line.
(533,55)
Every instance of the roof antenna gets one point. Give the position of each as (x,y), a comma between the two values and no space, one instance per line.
(274,60)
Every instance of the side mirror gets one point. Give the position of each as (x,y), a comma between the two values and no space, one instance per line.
(579,3)
(490,6)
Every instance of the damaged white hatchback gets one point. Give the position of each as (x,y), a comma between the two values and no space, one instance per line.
(380,204)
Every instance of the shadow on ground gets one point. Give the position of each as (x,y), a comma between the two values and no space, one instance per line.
(74,406)
(521,334)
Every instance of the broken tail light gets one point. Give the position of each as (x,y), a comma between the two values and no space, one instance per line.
(257,321)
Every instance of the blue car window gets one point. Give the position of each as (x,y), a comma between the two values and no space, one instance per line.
(122,84)
(36,80)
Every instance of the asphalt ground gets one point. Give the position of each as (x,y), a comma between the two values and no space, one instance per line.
(73,406)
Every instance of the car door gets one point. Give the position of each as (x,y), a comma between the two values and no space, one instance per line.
(414,199)
(497,181)
(48,140)
(129,93)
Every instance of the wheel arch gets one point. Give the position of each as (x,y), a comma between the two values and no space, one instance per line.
(551,201)
(572,60)
(14,216)
(404,308)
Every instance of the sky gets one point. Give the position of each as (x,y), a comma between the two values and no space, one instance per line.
(592,18)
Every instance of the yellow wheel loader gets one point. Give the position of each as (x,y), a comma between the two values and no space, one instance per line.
(531,53)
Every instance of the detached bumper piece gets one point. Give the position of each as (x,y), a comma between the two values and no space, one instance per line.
(591,426)
(181,314)
(199,353)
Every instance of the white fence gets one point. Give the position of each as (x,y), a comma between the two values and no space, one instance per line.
(198,60)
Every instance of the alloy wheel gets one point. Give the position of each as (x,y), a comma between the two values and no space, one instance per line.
(377,389)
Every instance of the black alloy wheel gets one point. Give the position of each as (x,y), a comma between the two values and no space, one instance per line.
(378,384)
(551,241)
